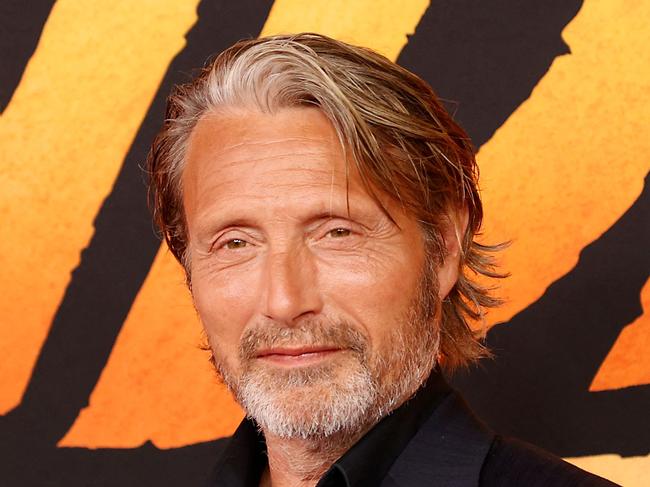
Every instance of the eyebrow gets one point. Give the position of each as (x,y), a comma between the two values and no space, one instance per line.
(208,230)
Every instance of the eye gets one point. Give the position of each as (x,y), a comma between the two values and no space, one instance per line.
(339,232)
(234,246)
(235,243)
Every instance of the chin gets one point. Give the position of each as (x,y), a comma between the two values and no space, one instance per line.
(308,402)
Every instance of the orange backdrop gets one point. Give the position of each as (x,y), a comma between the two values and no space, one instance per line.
(559,172)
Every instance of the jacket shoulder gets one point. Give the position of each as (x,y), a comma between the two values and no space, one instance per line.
(514,462)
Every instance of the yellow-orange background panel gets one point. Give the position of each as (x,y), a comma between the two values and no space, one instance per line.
(554,179)
(629,472)
(62,140)
(380,24)
(565,166)
(572,158)
(155,385)
(627,363)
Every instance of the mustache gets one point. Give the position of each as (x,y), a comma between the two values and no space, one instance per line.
(310,332)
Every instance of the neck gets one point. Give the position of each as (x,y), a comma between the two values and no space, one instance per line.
(302,462)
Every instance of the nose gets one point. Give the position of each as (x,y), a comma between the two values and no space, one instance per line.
(291,285)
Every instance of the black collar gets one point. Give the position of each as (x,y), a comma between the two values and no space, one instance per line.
(242,462)
(365,464)
(369,460)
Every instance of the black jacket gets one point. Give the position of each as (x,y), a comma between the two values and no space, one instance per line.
(431,440)
(454,449)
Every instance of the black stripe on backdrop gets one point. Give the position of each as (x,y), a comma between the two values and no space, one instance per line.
(97,300)
(21,24)
(486,58)
(548,354)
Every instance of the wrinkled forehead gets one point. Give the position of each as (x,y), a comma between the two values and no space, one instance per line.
(234,137)
(243,150)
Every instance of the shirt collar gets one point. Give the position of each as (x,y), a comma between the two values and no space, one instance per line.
(242,462)
(366,463)
(369,460)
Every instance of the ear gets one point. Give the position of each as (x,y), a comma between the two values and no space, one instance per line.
(452,233)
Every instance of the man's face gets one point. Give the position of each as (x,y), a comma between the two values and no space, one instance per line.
(314,302)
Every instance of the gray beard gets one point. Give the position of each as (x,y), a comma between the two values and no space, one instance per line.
(347,394)
(350,392)
(317,402)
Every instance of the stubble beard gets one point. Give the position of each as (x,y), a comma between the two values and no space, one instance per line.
(347,394)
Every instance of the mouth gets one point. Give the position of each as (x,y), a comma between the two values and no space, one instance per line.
(297,356)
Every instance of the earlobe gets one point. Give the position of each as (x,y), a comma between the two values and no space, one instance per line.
(453,235)
(447,277)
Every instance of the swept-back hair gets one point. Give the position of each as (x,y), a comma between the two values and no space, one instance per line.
(392,127)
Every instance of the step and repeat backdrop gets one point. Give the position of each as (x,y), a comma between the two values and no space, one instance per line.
(102,381)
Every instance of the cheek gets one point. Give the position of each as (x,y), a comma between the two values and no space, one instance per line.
(225,303)
(375,292)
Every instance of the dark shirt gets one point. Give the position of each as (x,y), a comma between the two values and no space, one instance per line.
(432,439)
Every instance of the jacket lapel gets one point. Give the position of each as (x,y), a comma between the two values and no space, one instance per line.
(448,451)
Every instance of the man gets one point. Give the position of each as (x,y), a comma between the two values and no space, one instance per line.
(324,206)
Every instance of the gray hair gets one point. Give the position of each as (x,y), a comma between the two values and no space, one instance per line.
(390,122)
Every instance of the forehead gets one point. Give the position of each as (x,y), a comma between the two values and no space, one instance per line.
(251,141)
(290,154)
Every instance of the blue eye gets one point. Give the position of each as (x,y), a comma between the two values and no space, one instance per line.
(339,232)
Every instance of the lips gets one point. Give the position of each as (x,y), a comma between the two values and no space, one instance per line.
(289,352)
(297,356)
